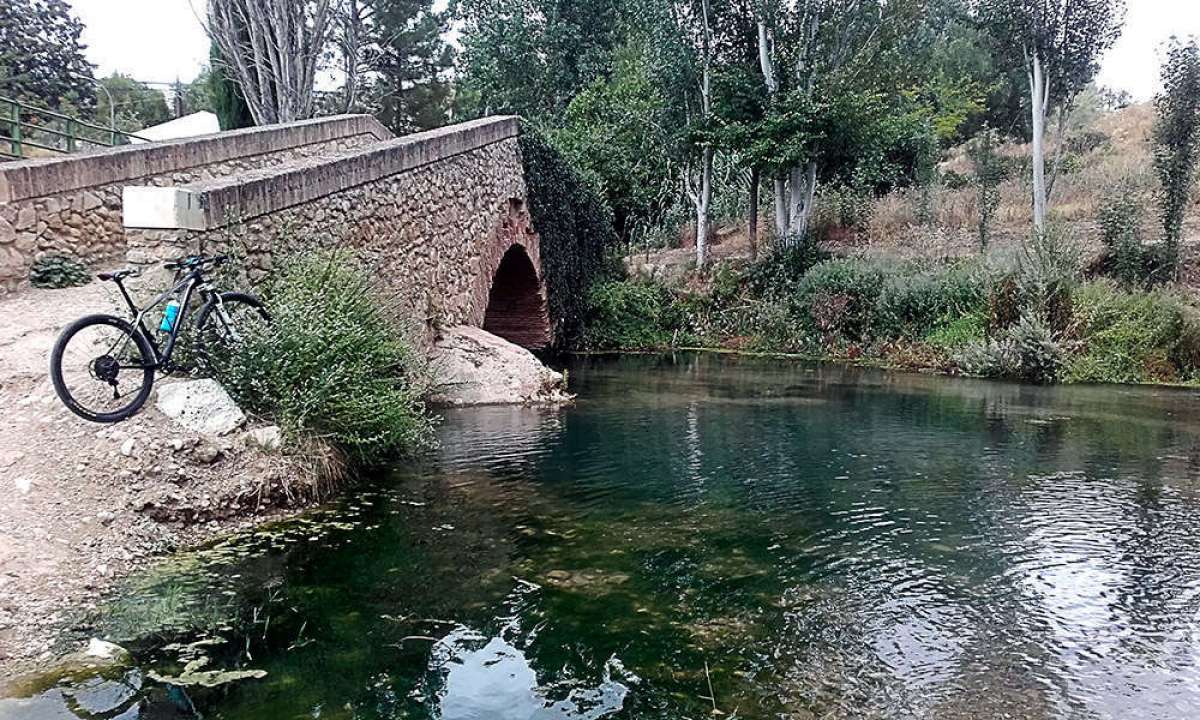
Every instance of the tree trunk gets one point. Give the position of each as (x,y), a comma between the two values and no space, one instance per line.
(703,200)
(781,209)
(802,189)
(752,215)
(1038,95)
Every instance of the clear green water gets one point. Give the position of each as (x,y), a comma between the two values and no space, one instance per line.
(808,541)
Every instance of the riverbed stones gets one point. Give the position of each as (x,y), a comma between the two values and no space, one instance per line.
(477,368)
(200,405)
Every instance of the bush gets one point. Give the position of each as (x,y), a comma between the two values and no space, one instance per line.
(1126,337)
(1028,352)
(58,271)
(331,364)
(1120,228)
(954,333)
(912,302)
(631,315)
(780,272)
(1048,270)
(839,297)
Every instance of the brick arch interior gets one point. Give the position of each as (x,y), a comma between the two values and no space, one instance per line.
(516,307)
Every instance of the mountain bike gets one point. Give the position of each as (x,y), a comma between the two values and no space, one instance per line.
(103,366)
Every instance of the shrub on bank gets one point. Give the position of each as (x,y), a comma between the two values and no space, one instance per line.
(1028,351)
(331,364)
(629,315)
(1025,318)
(1124,336)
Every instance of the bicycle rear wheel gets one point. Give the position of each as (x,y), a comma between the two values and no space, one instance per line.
(102,368)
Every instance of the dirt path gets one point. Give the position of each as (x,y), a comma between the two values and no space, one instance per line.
(81,504)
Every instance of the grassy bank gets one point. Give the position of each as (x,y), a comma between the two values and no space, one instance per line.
(1026,315)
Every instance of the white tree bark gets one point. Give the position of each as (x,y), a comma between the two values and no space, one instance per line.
(766,63)
(1039,95)
(272,48)
(802,191)
(703,196)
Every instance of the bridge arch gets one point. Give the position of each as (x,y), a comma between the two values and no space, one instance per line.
(516,307)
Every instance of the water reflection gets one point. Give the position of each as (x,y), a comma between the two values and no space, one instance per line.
(773,539)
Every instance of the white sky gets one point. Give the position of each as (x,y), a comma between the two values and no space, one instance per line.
(161,40)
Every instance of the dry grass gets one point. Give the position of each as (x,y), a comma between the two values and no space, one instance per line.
(1122,163)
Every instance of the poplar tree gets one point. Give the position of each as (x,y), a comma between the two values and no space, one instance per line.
(1058,45)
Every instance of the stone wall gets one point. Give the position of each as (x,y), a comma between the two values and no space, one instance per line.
(432,214)
(73,205)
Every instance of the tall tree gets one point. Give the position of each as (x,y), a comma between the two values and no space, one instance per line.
(134,104)
(227,100)
(813,50)
(1177,140)
(273,48)
(395,60)
(41,55)
(1061,42)
(531,57)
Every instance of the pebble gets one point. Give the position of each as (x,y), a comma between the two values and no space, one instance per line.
(127,447)
(23,485)
(106,517)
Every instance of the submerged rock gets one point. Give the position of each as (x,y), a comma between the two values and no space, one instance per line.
(201,405)
(478,368)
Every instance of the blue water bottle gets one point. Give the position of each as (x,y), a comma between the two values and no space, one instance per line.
(169,314)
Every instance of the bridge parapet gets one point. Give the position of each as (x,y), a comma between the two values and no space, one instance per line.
(439,216)
(72,205)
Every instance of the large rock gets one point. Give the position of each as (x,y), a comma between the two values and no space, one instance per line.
(477,368)
(201,405)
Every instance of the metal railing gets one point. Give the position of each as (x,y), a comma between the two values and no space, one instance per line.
(24,126)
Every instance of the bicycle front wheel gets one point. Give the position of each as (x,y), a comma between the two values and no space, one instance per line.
(102,368)
(225,322)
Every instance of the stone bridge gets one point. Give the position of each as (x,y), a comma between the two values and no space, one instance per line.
(441,218)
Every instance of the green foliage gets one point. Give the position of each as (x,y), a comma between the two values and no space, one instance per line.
(1120,228)
(779,273)
(989,173)
(575,227)
(913,301)
(1177,141)
(134,105)
(1067,38)
(1028,351)
(404,70)
(42,57)
(530,57)
(330,363)
(228,103)
(58,271)
(839,297)
(953,333)
(631,316)
(611,133)
(1048,270)
(1127,337)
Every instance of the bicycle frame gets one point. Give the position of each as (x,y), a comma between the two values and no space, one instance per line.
(190,282)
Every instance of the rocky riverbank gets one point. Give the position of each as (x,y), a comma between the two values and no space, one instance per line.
(86,504)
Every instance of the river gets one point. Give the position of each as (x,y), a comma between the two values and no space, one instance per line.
(760,538)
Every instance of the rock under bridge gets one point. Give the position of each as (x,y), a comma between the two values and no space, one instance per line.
(440,217)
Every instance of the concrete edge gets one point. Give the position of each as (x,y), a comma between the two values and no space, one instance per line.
(210,204)
(53,176)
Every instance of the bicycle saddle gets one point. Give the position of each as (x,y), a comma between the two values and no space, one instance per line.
(118,274)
